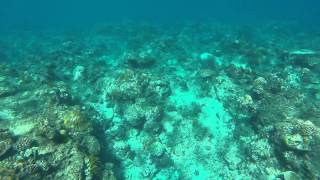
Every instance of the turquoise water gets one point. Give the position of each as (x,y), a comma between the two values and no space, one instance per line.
(159,90)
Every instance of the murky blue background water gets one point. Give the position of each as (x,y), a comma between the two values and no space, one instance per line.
(83,13)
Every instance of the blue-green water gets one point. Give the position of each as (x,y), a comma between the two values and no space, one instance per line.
(160,90)
(37,13)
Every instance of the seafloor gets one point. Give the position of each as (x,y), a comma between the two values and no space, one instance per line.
(139,101)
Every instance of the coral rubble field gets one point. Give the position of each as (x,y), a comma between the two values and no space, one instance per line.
(139,101)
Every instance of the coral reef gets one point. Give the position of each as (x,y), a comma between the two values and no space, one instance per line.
(137,101)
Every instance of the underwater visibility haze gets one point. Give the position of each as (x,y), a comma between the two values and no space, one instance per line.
(161,90)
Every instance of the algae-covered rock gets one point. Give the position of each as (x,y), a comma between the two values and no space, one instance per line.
(140,60)
(134,115)
(130,86)
(76,121)
(74,166)
(297,134)
(8,174)
(305,57)
(158,89)
(296,141)
(127,87)
(259,87)
(289,175)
